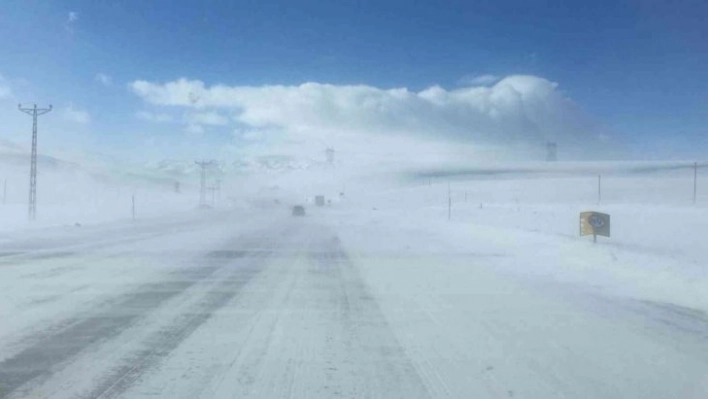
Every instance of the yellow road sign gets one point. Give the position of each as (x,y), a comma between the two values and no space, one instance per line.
(594,223)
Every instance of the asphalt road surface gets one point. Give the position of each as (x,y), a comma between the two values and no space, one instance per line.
(219,307)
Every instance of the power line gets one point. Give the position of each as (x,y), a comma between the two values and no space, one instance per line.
(34,112)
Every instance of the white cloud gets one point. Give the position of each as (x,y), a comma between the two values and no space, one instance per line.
(194,130)
(154,117)
(104,79)
(5,91)
(72,114)
(206,118)
(478,80)
(252,135)
(517,108)
(512,118)
(71,19)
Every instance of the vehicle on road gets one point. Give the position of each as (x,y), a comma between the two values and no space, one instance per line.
(298,210)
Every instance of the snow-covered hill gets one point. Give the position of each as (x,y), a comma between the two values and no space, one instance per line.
(274,164)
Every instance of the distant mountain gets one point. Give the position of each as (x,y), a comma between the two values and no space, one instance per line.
(8,146)
(15,159)
(275,163)
(13,155)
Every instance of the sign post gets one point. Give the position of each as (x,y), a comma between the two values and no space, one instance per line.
(595,223)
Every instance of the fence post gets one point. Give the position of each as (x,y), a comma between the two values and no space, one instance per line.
(599,189)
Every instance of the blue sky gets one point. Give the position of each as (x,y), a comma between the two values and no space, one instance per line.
(637,68)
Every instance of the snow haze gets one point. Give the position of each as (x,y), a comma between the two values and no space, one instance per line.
(517,115)
(354,199)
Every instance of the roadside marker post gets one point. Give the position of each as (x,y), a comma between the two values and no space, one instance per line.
(599,189)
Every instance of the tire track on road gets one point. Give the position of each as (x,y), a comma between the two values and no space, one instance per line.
(164,341)
(363,330)
(68,339)
(13,258)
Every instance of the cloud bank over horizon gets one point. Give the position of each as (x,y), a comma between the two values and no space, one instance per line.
(517,112)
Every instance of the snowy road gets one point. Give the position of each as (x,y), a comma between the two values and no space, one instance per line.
(215,307)
(281,301)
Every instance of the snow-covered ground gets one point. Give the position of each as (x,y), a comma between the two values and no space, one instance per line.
(656,250)
(378,294)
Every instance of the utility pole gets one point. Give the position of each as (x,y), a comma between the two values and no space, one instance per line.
(34,112)
(202,188)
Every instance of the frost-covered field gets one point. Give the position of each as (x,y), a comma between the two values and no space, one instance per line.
(377,294)
(656,251)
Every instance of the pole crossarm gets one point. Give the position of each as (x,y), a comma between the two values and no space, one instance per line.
(31,111)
